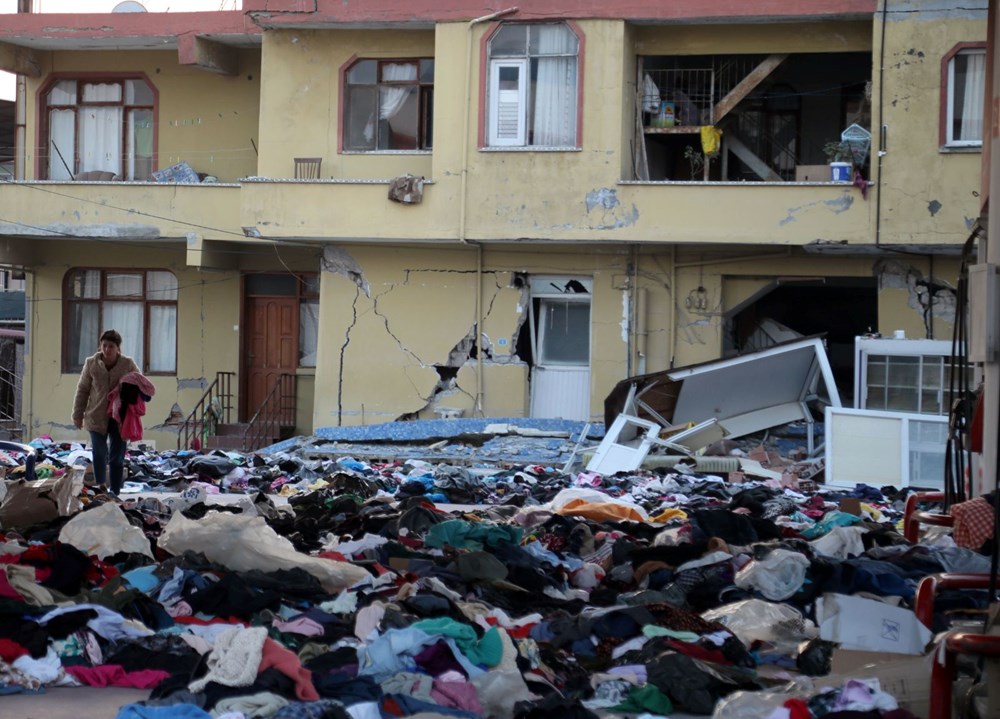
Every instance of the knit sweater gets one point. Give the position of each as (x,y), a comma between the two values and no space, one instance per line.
(96,382)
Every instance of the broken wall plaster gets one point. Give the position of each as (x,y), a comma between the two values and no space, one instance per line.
(613,216)
(338,261)
(930,297)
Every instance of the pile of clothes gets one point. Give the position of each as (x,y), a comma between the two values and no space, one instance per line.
(334,587)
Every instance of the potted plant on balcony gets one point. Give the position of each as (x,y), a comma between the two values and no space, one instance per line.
(841,159)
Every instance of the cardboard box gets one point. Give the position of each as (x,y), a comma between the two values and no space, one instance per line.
(812,173)
(907,678)
(870,625)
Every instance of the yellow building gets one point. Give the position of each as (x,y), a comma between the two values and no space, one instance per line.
(411,209)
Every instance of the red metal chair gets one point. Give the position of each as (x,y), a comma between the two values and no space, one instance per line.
(914,517)
(943,673)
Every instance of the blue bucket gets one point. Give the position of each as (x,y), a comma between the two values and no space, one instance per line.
(840,171)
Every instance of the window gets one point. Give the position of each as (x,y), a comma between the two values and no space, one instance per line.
(532,91)
(912,376)
(389,105)
(966,84)
(99,126)
(140,304)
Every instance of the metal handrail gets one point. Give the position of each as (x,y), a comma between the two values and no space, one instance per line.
(276,411)
(214,408)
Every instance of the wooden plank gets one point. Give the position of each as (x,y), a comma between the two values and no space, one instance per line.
(682,130)
(761,168)
(744,88)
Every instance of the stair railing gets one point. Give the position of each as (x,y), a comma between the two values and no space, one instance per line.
(10,401)
(214,408)
(275,412)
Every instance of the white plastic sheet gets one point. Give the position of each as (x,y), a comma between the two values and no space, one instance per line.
(103,531)
(754,619)
(777,576)
(243,543)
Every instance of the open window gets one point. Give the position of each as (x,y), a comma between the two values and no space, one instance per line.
(389,105)
(533,86)
(963,86)
(98,128)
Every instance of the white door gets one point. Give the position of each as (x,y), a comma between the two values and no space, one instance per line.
(560,377)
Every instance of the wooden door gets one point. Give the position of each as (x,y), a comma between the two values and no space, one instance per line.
(271,347)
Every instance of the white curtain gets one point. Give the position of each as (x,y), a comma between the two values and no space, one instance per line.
(555,88)
(162,338)
(308,332)
(126,317)
(101,139)
(62,144)
(85,330)
(391,99)
(972,99)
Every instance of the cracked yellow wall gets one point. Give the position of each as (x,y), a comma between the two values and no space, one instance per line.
(928,196)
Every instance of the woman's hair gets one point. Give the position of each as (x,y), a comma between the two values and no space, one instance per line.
(112,336)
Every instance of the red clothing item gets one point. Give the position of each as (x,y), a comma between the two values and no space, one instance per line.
(11,650)
(287,662)
(114,675)
(973,522)
(130,426)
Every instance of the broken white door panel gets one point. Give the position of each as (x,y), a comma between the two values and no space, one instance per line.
(560,393)
(630,439)
(560,339)
(884,448)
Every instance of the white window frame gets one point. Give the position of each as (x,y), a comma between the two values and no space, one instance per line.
(949,139)
(520,138)
(846,468)
(865,347)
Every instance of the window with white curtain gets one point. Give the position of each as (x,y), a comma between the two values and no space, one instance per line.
(140,304)
(966,89)
(389,105)
(104,125)
(532,91)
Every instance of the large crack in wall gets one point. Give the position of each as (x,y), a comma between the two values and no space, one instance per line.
(928,296)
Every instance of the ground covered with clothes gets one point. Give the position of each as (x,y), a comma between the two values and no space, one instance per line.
(333,586)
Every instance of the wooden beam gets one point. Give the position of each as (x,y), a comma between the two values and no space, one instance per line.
(20,60)
(744,87)
(760,168)
(207,55)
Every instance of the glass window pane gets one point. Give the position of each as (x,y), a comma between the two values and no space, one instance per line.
(310,285)
(85,284)
(930,376)
(124,285)
(551,40)
(876,398)
(931,402)
(876,371)
(62,144)
(102,92)
(274,285)
(83,333)
(140,144)
(969,76)
(360,118)
(161,285)
(363,73)
(308,332)
(162,338)
(427,71)
(101,139)
(138,92)
(63,93)
(399,106)
(509,41)
(901,399)
(564,332)
(904,372)
(128,318)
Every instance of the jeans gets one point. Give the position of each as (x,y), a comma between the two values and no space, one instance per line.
(103,457)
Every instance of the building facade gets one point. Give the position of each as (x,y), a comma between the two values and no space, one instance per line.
(439,208)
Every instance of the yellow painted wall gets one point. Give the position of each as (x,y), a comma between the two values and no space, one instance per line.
(208,120)
(763,38)
(207,311)
(927,196)
(300,99)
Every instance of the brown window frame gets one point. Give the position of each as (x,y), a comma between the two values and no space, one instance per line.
(425,103)
(68,365)
(944,140)
(81,79)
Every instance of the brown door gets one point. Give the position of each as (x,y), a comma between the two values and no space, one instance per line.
(272,346)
